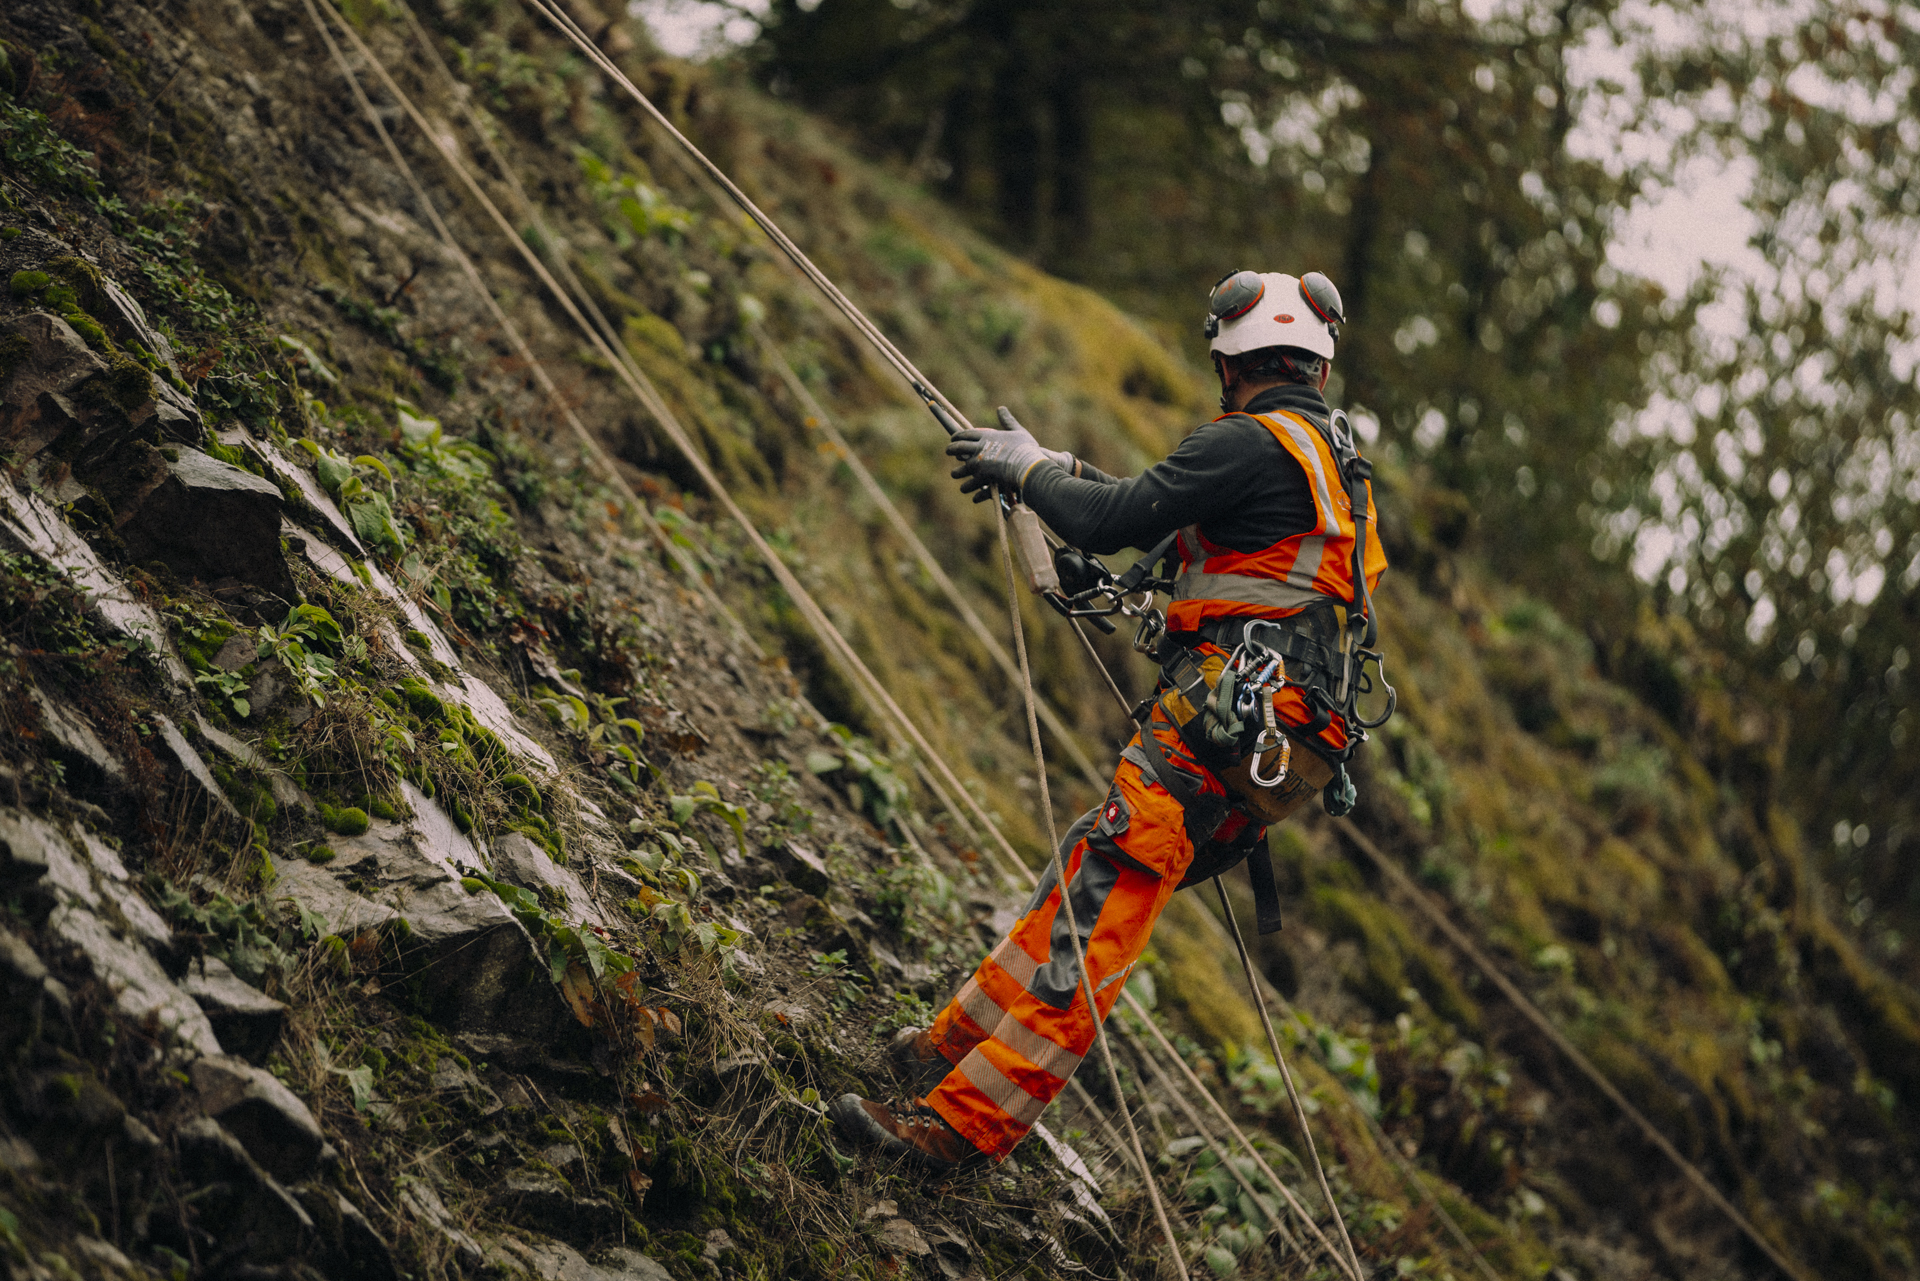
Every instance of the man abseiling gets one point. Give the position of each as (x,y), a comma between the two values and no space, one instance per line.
(1266,532)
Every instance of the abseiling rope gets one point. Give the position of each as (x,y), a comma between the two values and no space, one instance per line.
(650,399)
(1286,1075)
(657,408)
(890,353)
(1533,1014)
(1066,897)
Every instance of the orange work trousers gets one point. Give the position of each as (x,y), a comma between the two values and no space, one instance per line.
(1020,1026)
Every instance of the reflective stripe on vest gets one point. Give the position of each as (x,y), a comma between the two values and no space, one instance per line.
(1215,582)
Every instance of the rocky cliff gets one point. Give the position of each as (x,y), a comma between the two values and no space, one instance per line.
(434,844)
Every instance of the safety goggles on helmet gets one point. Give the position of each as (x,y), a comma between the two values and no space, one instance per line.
(1322,297)
(1234,295)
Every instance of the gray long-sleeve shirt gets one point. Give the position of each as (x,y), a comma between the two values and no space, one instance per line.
(1230,477)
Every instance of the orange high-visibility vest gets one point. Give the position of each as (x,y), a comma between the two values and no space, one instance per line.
(1297,571)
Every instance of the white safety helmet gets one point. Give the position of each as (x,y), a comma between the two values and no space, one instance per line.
(1250,310)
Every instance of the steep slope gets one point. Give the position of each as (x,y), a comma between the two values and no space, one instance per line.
(572,911)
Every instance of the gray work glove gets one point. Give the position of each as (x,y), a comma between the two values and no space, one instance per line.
(991,460)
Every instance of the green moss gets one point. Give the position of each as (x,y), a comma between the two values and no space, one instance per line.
(321,854)
(542,834)
(253,798)
(25,284)
(82,277)
(201,640)
(521,787)
(381,807)
(346,820)
(127,383)
(422,701)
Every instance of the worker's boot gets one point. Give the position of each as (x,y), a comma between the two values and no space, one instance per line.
(914,1133)
(917,1060)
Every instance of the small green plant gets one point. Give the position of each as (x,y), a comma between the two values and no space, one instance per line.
(244,935)
(301,643)
(225,689)
(597,719)
(849,988)
(775,785)
(636,210)
(706,799)
(369,511)
(874,784)
(908,1011)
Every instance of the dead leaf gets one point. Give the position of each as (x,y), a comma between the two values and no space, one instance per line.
(639,1182)
(650,1103)
(577,988)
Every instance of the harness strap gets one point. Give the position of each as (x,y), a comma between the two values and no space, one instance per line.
(1208,812)
(1266,894)
(1204,813)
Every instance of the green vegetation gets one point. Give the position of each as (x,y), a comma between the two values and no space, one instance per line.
(1595,784)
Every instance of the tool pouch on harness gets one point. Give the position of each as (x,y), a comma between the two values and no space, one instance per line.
(1192,704)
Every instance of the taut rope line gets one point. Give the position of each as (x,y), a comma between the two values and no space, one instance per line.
(1533,1014)
(1286,1074)
(892,354)
(1066,897)
(649,397)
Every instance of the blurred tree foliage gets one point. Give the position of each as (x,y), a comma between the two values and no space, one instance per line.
(1778,501)
(1415,155)
(1742,456)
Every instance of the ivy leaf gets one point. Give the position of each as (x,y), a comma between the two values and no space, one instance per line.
(416,430)
(334,470)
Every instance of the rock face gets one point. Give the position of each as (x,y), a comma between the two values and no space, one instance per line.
(272,1124)
(471,959)
(516,858)
(208,520)
(49,363)
(28,521)
(257,1217)
(246,1020)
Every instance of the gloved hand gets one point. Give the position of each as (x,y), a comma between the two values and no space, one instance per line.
(1001,459)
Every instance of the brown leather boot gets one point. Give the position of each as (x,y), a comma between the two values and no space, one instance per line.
(917,1060)
(913,1133)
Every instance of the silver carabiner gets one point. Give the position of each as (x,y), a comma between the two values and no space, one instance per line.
(1269,738)
(1393,695)
(1146,638)
(1267,741)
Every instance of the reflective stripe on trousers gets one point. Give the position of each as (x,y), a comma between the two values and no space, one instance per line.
(1019,1028)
